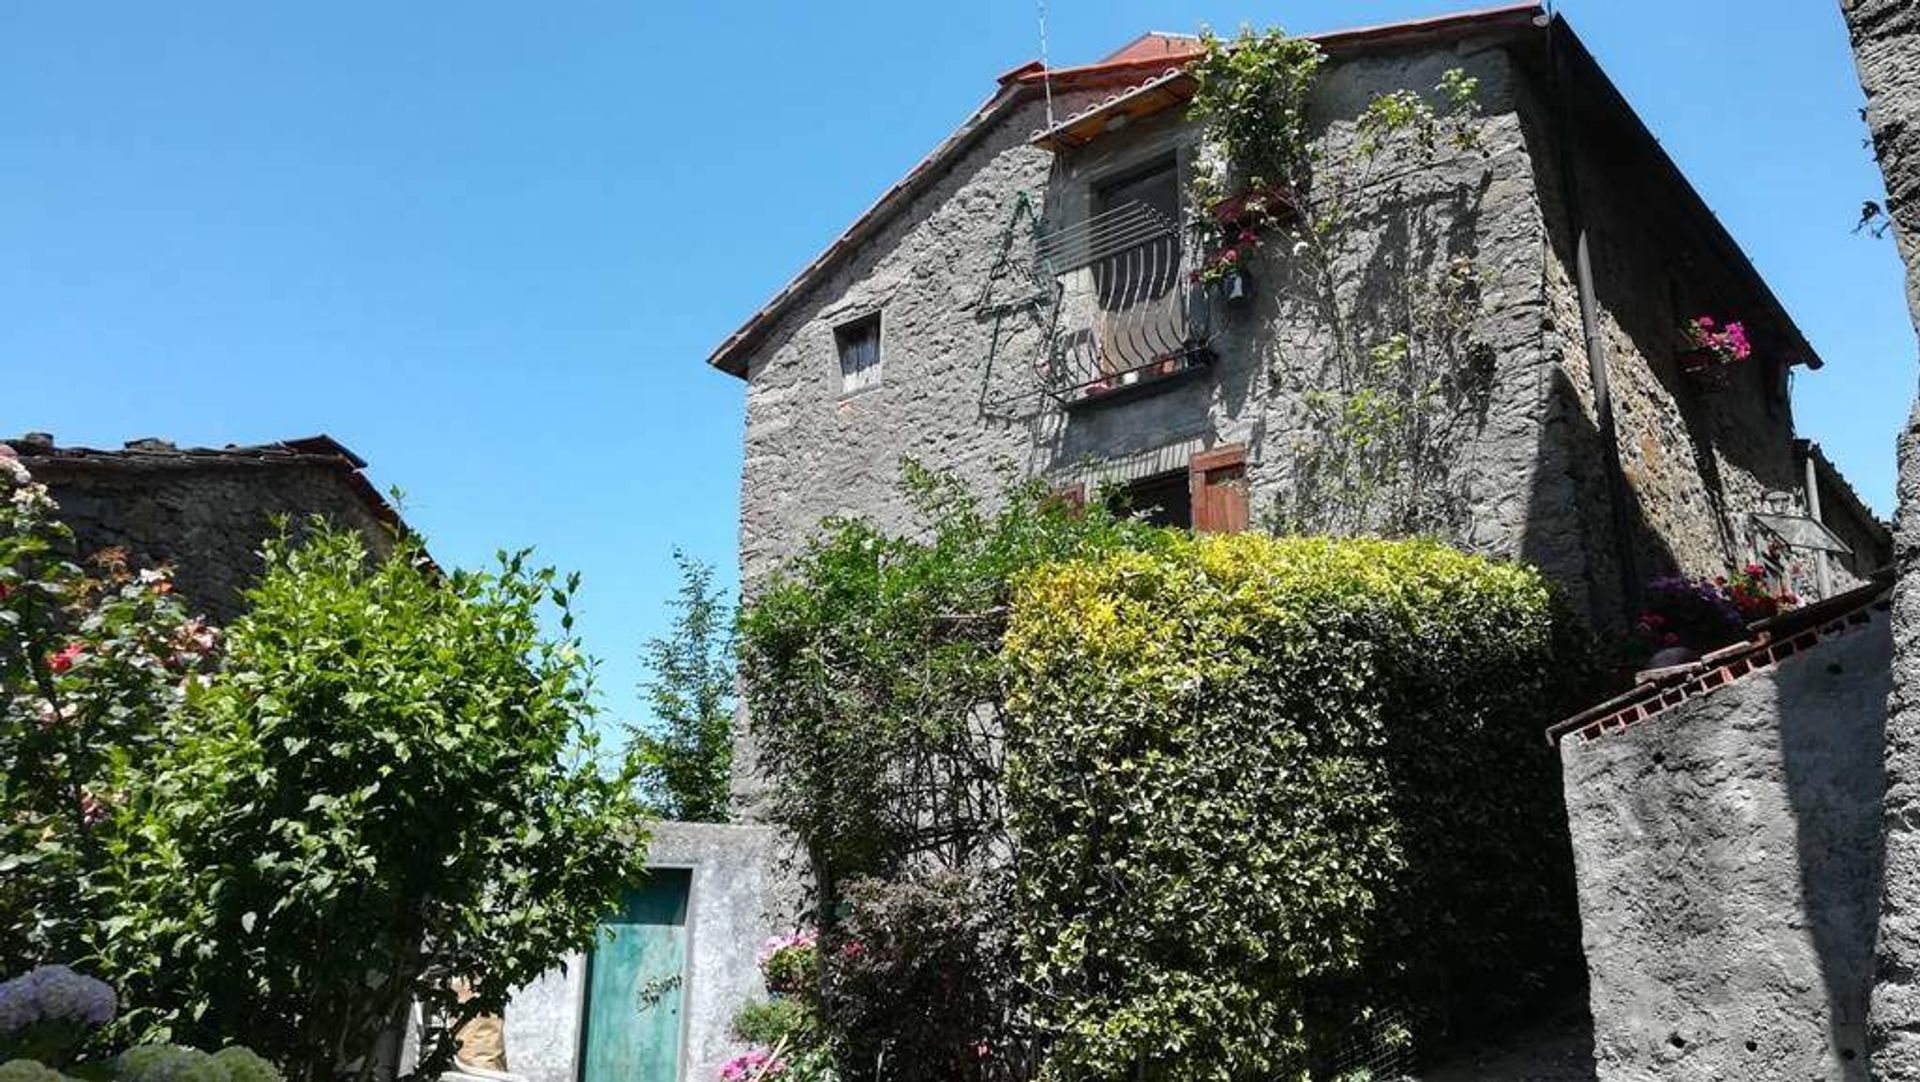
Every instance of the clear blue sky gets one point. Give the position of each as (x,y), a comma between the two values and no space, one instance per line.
(489,245)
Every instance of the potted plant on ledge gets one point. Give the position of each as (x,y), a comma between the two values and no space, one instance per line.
(1712,349)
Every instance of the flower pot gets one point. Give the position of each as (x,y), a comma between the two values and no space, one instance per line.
(1236,288)
(1706,368)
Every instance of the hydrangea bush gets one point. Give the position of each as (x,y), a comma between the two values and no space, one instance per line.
(48,1012)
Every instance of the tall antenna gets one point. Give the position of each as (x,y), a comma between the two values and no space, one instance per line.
(1046,67)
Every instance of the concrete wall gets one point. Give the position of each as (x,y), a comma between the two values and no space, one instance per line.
(1729,856)
(740,897)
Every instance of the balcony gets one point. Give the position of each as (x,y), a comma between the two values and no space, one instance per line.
(1125,318)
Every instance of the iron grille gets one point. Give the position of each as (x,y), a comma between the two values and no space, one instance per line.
(1125,314)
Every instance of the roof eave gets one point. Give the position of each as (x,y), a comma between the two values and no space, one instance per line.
(1016,86)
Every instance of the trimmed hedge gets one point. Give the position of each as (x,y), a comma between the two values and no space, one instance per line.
(1265,789)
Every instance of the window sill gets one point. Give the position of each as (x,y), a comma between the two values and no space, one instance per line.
(1148,379)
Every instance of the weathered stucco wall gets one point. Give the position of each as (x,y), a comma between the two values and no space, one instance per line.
(739,898)
(1728,855)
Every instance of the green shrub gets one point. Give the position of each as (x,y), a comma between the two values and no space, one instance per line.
(166,1063)
(920,980)
(27,1070)
(1263,788)
(393,780)
(243,1065)
(872,675)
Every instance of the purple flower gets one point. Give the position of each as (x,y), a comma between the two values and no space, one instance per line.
(55,994)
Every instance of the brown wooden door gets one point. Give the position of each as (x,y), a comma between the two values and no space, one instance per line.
(1219,484)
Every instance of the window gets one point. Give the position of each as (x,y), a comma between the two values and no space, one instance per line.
(859,344)
(1165,499)
(1141,316)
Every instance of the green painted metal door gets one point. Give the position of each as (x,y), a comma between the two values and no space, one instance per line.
(636,985)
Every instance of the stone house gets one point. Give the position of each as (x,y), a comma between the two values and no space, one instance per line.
(205,511)
(1023,296)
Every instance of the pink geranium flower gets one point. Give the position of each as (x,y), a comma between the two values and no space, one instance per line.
(752,1067)
(64,660)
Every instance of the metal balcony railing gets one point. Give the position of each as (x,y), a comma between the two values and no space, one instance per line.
(1125,314)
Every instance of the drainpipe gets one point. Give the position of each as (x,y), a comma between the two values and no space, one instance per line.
(1821,577)
(1617,491)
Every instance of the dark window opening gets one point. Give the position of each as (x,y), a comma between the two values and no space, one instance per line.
(859,343)
(1162,500)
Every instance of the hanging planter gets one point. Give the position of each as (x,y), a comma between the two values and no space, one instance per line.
(1236,287)
(1712,350)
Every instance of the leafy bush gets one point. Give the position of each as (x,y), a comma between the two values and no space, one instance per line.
(1263,787)
(685,756)
(872,675)
(922,982)
(26,1070)
(790,963)
(91,661)
(391,784)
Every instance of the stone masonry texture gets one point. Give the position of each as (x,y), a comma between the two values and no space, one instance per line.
(205,513)
(1886,45)
(1531,462)
(1727,855)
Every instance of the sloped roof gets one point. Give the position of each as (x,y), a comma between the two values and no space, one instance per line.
(156,454)
(1770,642)
(1144,57)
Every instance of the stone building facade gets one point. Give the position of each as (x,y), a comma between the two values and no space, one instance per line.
(926,332)
(205,511)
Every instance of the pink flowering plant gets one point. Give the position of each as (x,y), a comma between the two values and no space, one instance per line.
(753,1066)
(1703,614)
(91,662)
(790,963)
(1714,344)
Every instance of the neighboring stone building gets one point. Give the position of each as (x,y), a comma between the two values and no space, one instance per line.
(205,511)
(942,325)
(1726,821)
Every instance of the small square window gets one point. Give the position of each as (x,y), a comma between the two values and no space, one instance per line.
(859,344)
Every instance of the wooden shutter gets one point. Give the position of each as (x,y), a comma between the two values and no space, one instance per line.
(1219,485)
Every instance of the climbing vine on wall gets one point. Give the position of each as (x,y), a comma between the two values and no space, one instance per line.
(1359,236)
(871,670)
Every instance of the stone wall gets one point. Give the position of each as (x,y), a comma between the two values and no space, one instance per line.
(739,897)
(1728,856)
(1886,45)
(205,513)
(1531,464)
(1695,457)
(812,452)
